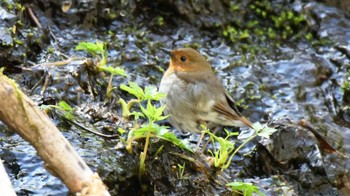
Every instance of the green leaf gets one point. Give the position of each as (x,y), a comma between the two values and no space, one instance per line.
(169,136)
(257,127)
(247,188)
(133,89)
(121,131)
(222,158)
(263,131)
(113,70)
(69,115)
(92,48)
(143,130)
(153,113)
(146,112)
(125,109)
(159,130)
(46,107)
(137,114)
(151,92)
(158,114)
(243,34)
(64,105)
(267,132)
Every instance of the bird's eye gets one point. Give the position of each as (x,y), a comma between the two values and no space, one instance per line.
(183,58)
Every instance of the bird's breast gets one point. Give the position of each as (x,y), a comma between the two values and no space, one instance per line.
(171,83)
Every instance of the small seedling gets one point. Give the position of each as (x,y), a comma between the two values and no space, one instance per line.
(224,154)
(246,188)
(99,50)
(181,171)
(152,114)
(150,93)
(63,107)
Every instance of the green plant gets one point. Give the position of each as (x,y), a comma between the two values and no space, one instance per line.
(247,188)
(181,170)
(259,21)
(99,50)
(152,114)
(160,21)
(63,107)
(150,93)
(224,154)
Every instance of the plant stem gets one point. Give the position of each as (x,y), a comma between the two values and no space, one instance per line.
(239,147)
(144,154)
(132,102)
(147,138)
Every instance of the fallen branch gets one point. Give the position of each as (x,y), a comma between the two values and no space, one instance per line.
(20,114)
(5,185)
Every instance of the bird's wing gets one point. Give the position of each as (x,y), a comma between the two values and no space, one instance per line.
(232,104)
(226,110)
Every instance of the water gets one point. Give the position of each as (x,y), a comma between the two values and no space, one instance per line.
(291,81)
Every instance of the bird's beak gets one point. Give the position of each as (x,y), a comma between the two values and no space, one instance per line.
(168,52)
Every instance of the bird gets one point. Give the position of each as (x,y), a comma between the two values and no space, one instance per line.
(195,95)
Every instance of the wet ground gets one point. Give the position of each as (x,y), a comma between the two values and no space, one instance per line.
(280,81)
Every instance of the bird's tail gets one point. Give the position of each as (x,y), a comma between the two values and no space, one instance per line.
(246,122)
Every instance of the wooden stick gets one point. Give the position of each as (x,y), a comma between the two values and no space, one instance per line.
(5,184)
(20,114)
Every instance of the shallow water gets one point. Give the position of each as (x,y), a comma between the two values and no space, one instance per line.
(293,81)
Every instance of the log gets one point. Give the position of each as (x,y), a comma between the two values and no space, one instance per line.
(21,115)
(5,184)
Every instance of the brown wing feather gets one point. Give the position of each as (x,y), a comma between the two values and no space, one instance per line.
(221,108)
(232,104)
(227,111)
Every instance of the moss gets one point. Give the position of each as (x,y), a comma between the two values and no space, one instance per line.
(260,21)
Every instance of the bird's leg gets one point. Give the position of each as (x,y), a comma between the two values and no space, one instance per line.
(206,143)
(199,141)
(203,126)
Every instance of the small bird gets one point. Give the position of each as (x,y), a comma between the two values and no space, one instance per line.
(194,94)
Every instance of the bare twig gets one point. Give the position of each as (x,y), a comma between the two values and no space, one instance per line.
(323,143)
(33,17)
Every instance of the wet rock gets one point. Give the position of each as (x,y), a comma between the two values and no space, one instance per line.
(295,154)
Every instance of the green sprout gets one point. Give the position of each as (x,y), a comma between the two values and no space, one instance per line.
(152,114)
(247,188)
(99,50)
(63,107)
(150,93)
(181,171)
(160,21)
(224,154)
